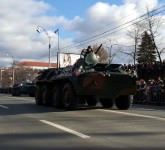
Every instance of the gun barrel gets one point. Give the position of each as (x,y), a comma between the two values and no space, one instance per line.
(98,49)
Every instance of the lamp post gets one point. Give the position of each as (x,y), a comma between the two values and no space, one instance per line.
(58,60)
(1,76)
(13,69)
(39,29)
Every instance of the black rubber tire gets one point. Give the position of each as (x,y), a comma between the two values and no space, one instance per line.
(57,97)
(123,102)
(17,92)
(13,93)
(46,96)
(106,102)
(82,100)
(69,97)
(38,96)
(91,101)
(31,95)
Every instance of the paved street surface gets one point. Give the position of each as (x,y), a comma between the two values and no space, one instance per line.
(26,126)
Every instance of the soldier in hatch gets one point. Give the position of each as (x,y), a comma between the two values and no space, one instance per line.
(84,52)
(79,66)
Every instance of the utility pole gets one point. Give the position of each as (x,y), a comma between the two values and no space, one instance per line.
(13,72)
(110,53)
(58,50)
(136,41)
(152,36)
(1,76)
(13,69)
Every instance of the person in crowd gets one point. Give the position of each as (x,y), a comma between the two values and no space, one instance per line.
(160,82)
(142,89)
(164,83)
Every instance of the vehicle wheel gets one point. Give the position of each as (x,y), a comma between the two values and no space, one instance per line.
(12,94)
(82,100)
(38,96)
(106,102)
(31,95)
(69,97)
(46,96)
(57,97)
(91,101)
(17,93)
(123,102)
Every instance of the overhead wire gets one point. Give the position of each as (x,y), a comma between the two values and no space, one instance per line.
(116,29)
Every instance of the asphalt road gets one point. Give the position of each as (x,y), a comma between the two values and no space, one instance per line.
(26,126)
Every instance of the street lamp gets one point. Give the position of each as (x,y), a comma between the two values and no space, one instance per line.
(13,70)
(57,32)
(1,75)
(39,29)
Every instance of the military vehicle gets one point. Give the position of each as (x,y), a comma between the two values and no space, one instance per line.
(85,83)
(24,88)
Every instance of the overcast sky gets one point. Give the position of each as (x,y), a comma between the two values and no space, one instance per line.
(77,20)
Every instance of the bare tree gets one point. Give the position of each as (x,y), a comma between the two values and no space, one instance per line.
(108,53)
(113,49)
(102,53)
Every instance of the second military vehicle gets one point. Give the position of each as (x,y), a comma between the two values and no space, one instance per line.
(24,88)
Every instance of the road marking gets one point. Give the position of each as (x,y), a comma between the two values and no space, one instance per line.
(3,106)
(66,129)
(29,99)
(132,114)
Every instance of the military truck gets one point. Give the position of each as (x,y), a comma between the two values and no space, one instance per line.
(85,83)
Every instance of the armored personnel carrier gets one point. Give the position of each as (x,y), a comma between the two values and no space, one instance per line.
(85,83)
(24,88)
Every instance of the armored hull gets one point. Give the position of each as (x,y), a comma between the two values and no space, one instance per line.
(108,84)
(104,85)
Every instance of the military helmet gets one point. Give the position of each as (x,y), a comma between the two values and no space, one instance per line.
(92,59)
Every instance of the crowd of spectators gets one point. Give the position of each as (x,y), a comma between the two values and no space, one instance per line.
(150,82)
(147,71)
